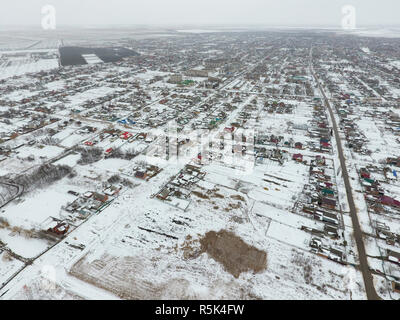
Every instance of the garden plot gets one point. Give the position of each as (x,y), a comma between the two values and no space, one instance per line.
(70,160)
(16,123)
(375,137)
(19,95)
(7,192)
(56,85)
(23,242)
(168,263)
(40,204)
(273,125)
(89,95)
(107,143)
(21,67)
(392,190)
(384,267)
(113,165)
(265,215)
(8,265)
(295,221)
(137,145)
(71,136)
(280,190)
(289,235)
(215,174)
(39,152)
(12,166)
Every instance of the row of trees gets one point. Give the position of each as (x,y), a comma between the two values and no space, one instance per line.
(43,176)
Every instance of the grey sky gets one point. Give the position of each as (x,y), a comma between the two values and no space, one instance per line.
(178,12)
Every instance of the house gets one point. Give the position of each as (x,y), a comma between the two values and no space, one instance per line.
(140,175)
(393,256)
(330,218)
(327,203)
(321,161)
(383,232)
(364,173)
(60,229)
(163,194)
(142,136)
(298,157)
(328,185)
(310,210)
(390,174)
(274,139)
(298,145)
(396,286)
(112,190)
(393,161)
(336,254)
(331,231)
(327,192)
(74,193)
(389,201)
(100,197)
(88,194)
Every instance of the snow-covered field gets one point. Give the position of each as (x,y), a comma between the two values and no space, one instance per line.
(18,68)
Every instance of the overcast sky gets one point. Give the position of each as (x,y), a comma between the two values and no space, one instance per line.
(178,12)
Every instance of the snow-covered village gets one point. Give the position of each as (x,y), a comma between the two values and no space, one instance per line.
(161,163)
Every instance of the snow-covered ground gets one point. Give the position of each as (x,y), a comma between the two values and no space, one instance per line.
(138,215)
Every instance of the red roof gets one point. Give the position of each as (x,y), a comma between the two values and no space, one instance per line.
(230,129)
(390,201)
(125,135)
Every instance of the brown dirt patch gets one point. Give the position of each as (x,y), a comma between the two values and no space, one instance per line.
(200,195)
(238,197)
(190,248)
(218,195)
(233,253)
